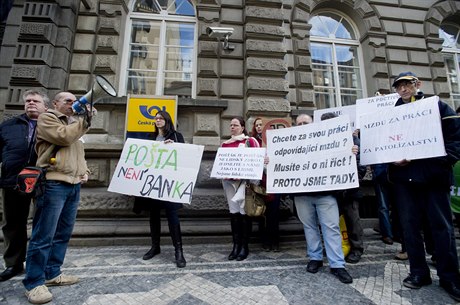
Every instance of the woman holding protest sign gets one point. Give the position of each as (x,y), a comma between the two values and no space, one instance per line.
(164,131)
(269,226)
(240,223)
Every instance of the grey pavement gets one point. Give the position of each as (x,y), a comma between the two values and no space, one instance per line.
(117,275)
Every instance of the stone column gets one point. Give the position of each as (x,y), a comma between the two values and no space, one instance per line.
(266,87)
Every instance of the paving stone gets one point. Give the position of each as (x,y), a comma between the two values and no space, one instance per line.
(117,275)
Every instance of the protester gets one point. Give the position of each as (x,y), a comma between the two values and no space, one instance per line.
(17,145)
(270,222)
(321,207)
(61,152)
(422,189)
(382,193)
(241,224)
(303,119)
(348,201)
(164,131)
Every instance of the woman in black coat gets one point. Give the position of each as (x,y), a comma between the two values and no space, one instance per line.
(164,131)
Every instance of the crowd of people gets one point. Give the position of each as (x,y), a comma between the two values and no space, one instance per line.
(413,197)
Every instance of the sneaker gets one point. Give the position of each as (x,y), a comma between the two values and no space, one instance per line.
(62,280)
(342,275)
(401,256)
(39,295)
(353,258)
(313,266)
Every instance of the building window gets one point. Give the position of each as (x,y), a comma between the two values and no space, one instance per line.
(335,61)
(451,51)
(161,48)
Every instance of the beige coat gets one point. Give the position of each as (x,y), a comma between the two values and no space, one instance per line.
(56,129)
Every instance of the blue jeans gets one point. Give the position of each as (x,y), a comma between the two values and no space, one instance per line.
(322,209)
(383,201)
(52,227)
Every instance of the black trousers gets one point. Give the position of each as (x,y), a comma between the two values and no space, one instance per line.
(414,203)
(16,210)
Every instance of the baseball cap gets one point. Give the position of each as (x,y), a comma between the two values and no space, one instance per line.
(404,76)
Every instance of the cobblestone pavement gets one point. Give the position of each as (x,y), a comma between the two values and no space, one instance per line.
(117,275)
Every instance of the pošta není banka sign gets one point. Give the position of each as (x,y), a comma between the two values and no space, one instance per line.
(311,158)
(156,170)
(239,163)
(411,131)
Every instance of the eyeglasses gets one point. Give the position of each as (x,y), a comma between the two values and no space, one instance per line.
(67,101)
(405,84)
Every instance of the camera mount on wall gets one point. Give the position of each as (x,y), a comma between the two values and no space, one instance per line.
(221,34)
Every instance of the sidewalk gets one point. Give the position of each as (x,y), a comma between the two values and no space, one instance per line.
(117,275)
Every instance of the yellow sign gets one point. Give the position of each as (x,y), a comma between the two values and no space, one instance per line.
(141,110)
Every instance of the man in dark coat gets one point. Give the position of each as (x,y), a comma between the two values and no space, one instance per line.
(421,189)
(17,142)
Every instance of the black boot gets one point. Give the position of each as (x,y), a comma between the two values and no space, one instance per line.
(176,237)
(155,232)
(246,228)
(234,223)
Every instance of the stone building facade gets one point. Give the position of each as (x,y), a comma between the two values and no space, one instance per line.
(276,66)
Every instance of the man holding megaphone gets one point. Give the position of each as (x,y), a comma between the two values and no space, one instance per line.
(61,152)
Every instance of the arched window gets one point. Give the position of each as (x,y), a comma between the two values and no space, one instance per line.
(335,61)
(161,48)
(450,32)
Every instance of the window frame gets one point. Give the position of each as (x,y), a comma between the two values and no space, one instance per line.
(455,53)
(163,17)
(334,42)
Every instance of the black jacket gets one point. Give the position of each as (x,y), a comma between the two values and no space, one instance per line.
(143,203)
(15,149)
(436,172)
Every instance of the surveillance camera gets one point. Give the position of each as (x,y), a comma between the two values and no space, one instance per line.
(218,32)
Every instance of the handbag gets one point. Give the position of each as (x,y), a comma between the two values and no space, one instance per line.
(31,181)
(345,242)
(254,203)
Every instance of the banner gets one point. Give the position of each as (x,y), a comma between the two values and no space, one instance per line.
(239,163)
(349,110)
(311,158)
(374,104)
(156,170)
(411,131)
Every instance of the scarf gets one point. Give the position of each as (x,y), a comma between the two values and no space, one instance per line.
(237,138)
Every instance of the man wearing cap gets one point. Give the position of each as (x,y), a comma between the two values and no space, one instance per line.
(422,188)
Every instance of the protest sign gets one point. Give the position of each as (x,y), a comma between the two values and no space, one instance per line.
(239,163)
(374,104)
(411,131)
(156,170)
(310,158)
(349,110)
